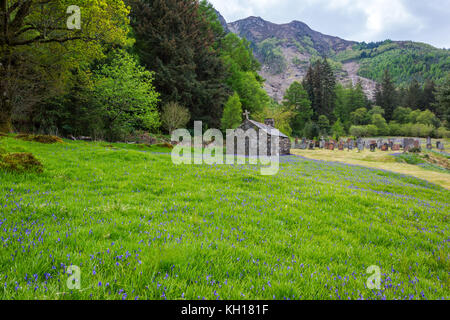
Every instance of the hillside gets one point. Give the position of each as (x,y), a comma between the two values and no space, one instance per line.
(286,50)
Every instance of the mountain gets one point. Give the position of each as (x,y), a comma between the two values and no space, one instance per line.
(286,51)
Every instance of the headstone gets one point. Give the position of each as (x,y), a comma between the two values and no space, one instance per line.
(311,145)
(341,146)
(327,144)
(429,145)
(379,143)
(416,143)
(408,143)
(350,145)
(441,146)
(396,147)
(331,146)
(385,147)
(322,143)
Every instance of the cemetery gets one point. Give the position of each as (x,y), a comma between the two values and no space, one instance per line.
(423,158)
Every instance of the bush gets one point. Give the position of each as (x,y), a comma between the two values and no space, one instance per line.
(380,123)
(421,130)
(174,116)
(442,132)
(39,138)
(165,145)
(372,130)
(395,129)
(358,131)
(311,130)
(20,162)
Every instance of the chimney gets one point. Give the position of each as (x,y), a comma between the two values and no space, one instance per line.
(270,122)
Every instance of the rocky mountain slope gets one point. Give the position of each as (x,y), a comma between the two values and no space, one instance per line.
(286,51)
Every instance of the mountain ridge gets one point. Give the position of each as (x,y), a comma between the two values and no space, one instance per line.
(286,50)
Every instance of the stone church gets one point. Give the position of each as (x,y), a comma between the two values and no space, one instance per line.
(269,127)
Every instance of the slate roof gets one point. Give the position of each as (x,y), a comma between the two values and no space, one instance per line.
(268,129)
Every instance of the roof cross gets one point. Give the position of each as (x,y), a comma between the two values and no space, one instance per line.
(246,114)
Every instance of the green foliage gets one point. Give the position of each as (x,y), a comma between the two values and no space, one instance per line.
(311,130)
(297,99)
(272,55)
(402,115)
(324,125)
(359,116)
(281,115)
(243,78)
(232,112)
(380,123)
(358,131)
(338,129)
(124,92)
(178,41)
(406,61)
(442,105)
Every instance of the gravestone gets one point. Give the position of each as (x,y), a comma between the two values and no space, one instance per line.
(331,146)
(417,144)
(429,145)
(327,144)
(322,143)
(350,146)
(440,146)
(395,147)
(311,145)
(341,146)
(379,143)
(408,143)
(385,147)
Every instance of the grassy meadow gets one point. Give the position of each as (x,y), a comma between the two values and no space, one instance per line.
(140,227)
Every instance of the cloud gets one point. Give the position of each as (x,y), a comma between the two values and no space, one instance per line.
(361,20)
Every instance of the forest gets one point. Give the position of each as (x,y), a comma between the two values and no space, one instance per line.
(139,66)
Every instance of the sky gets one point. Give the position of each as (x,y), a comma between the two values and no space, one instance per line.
(359,20)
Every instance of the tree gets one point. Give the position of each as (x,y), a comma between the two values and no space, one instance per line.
(174,116)
(359,116)
(429,95)
(125,92)
(414,96)
(320,84)
(338,129)
(36,47)
(232,112)
(386,95)
(176,40)
(402,115)
(324,125)
(442,104)
(296,98)
(381,124)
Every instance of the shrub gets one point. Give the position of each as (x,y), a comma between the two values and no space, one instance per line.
(442,132)
(395,129)
(164,145)
(372,130)
(174,116)
(380,123)
(39,138)
(358,131)
(20,162)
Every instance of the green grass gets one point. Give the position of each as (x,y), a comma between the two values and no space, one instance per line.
(139,226)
